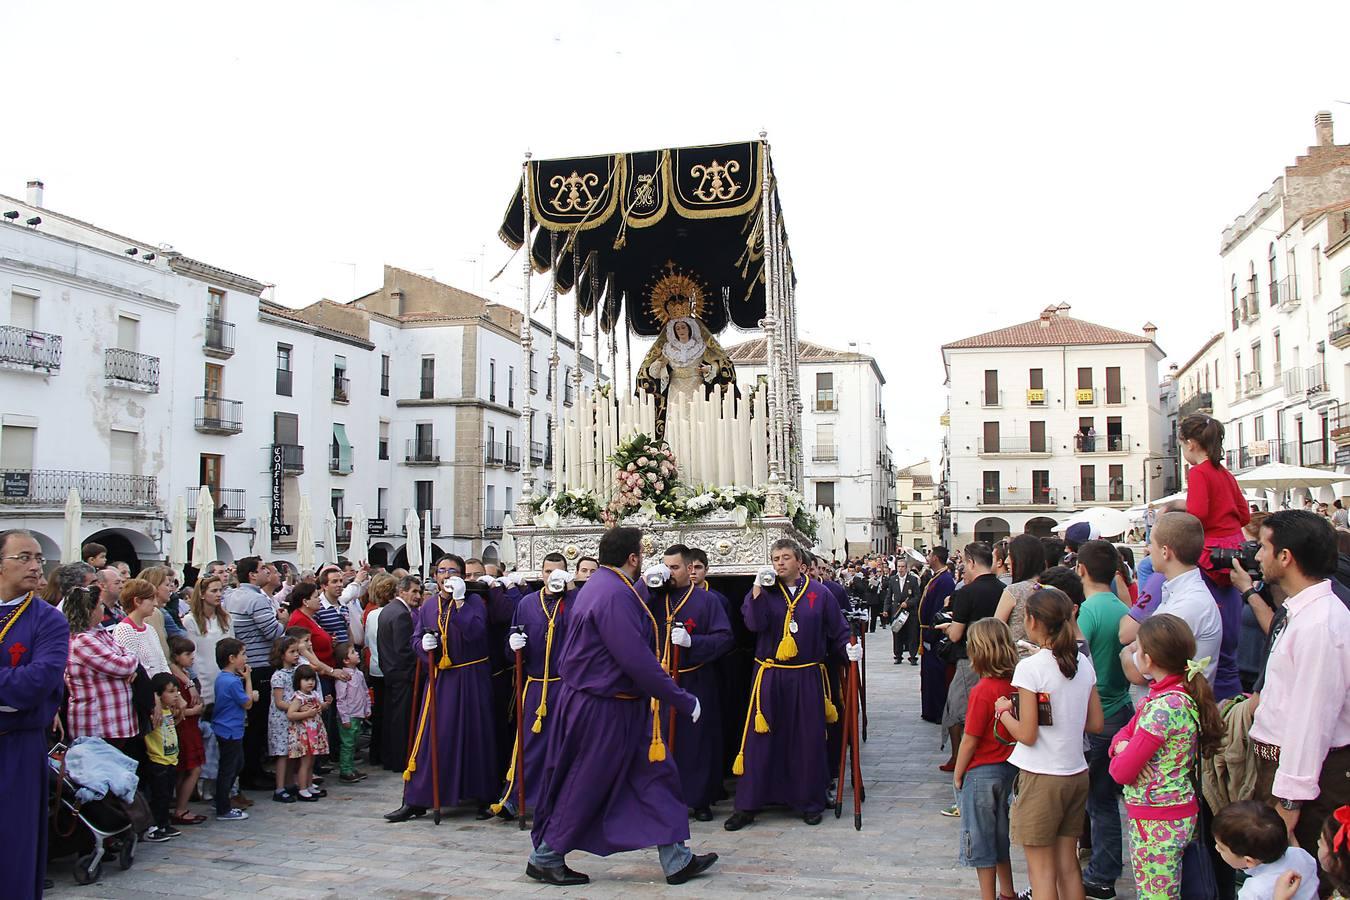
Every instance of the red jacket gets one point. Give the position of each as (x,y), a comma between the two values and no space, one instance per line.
(1213,497)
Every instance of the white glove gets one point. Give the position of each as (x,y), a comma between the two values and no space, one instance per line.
(487,580)
(517,640)
(657,575)
(680,637)
(456,586)
(854,651)
(698,711)
(430,641)
(557,581)
(766,576)
(512,580)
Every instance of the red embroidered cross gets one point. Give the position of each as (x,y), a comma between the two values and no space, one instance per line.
(688,624)
(16,653)
(811,599)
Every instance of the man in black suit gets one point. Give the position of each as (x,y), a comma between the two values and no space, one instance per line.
(903,596)
(398,663)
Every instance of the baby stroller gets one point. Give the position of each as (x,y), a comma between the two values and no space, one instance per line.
(112,824)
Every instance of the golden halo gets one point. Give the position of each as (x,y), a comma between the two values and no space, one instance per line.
(675,295)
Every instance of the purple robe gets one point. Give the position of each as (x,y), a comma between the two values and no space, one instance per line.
(834,731)
(501,609)
(600,792)
(788,765)
(933,678)
(698,745)
(32,675)
(531,615)
(465,738)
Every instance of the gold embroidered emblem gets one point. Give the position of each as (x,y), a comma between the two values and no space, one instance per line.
(574,192)
(715,181)
(644,195)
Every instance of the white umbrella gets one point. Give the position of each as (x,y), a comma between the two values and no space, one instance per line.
(825,531)
(506,552)
(178,556)
(1284,477)
(427,561)
(304,537)
(1110,522)
(413,545)
(330,553)
(74,513)
(204,538)
(359,551)
(262,540)
(840,536)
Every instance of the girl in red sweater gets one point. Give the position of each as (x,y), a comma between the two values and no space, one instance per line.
(1212,493)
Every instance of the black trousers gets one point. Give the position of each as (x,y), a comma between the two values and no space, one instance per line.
(398,701)
(905,641)
(873,616)
(160,781)
(255,730)
(231,763)
(376,719)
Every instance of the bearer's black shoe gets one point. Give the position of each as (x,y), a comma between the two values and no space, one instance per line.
(697,866)
(811,818)
(483,814)
(703,814)
(560,876)
(405,812)
(738,820)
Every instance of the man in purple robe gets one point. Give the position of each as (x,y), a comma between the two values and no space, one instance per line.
(694,620)
(798,629)
(34,645)
(450,638)
(933,669)
(609,785)
(501,597)
(539,631)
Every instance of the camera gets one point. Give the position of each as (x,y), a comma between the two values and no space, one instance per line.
(1244,556)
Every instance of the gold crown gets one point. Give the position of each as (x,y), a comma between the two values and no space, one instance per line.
(675,295)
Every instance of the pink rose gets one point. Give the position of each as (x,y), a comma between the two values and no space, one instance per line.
(651,476)
(660,486)
(632,467)
(642,461)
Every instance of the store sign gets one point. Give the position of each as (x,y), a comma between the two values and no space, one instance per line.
(17,484)
(375,526)
(279,527)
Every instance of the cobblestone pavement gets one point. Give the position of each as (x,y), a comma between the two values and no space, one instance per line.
(342,847)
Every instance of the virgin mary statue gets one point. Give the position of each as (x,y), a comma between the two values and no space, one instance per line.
(686,362)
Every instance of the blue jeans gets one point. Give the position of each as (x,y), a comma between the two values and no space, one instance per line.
(674,857)
(984,799)
(1103,804)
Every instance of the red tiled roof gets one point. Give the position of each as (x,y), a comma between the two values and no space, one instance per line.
(753,352)
(1055,331)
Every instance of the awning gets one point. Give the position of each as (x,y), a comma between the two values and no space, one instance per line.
(342,450)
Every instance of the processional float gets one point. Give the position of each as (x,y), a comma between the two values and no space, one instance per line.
(677,245)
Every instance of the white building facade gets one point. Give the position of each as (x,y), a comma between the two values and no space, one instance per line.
(917,507)
(847,464)
(1045,418)
(138,377)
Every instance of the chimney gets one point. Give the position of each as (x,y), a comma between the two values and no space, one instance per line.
(1047,314)
(1151,331)
(35,191)
(397,296)
(1322,122)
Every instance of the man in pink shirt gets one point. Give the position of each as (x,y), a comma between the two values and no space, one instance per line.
(1301,730)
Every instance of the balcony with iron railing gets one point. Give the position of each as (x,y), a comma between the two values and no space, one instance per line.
(1315,381)
(1114,396)
(1200,402)
(338,462)
(1250,306)
(1016,496)
(51,487)
(1086,396)
(1284,293)
(26,350)
(991,399)
(1101,443)
(512,457)
(218,338)
(1338,422)
(1110,493)
(216,415)
(343,529)
(342,386)
(422,451)
(492,522)
(569,392)
(292,458)
(826,400)
(1015,446)
(494,453)
(1252,384)
(825,453)
(1317,453)
(231,504)
(1338,326)
(427,387)
(130,370)
(537,454)
(1038,398)
(421,519)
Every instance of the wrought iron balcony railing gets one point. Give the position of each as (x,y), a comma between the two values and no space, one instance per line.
(135,370)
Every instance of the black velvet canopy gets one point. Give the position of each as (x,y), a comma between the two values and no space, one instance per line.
(634,218)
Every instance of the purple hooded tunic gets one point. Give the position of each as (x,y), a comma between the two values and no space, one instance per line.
(464,728)
(600,793)
(788,765)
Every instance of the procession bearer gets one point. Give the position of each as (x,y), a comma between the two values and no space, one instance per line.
(539,630)
(609,785)
(693,619)
(798,628)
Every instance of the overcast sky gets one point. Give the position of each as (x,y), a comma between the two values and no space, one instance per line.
(945,168)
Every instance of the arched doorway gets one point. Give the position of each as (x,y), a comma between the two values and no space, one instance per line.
(380,554)
(991,529)
(490,554)
(124,545)
(223,551)
(401,557)
(1040,526)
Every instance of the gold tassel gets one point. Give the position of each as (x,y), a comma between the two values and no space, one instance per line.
(657,752)
(412,767)
(496,808)
(444,663)
(738,767)
(831,714)
(787,647)
(761,723)
(538,725)
(542,709)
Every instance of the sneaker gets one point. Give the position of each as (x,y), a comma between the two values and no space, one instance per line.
(306,797)
(952,812)
(234,815)
(1025,895)
(154,836)
(318,792)
(1099,891)
(283,797)
(172,832)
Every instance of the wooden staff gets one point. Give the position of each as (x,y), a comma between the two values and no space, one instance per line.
(520,734)
(435,754)
(843,753)
(412,718)
(851,738)
(675,676)
(861,634)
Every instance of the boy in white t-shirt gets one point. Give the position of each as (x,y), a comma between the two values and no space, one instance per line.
(1251,836)
(1057,702)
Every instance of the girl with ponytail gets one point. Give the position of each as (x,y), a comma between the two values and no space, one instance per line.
(1212,493)
(1155,755)
(1056,702)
